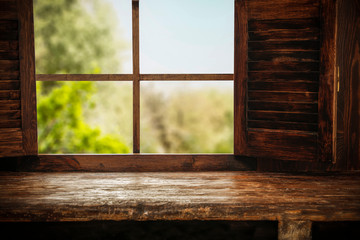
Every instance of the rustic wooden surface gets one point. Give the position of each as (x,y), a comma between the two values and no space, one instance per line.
(278,94)
(11,139)
(348,107)
(178,196)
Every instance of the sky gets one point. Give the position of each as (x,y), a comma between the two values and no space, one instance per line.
(181,36)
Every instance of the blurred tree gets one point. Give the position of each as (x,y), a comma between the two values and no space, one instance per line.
(73,36)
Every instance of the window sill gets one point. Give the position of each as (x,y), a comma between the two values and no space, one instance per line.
(178,196)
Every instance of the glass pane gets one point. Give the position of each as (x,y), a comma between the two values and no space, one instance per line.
(186,36)
(83,36)
(186,117)
(84,117)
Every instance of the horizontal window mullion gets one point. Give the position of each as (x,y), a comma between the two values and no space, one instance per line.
(186,77)
(84,77)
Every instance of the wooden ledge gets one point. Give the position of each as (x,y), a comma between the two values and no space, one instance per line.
(178,196)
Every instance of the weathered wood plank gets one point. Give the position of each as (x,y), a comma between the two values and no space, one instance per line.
(9,45)
(9,75)
(327,81)
(282,116)
(13,135)
(284,56)
(278,124)
(309,97)
(282,145)
(286,24)
(140,163)
(9,94)
(283,66)
(9,65)
(9,85)
(247,196)
(14,55)
(284,35)
(284,76)
(284,86)
(283,106)
(8,25)
(240,76)
(9,104)
(10,114)
(4,123)
(310,45)
(27,77)
(263,9)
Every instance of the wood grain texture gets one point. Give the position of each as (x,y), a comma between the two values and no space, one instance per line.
(348,107)
(283,145)
(56,197)
(137,163)
(27,76)
(327,81)
(300,230)
(240,76)
(136,76)
(263,9)
(306,97)
(283,106)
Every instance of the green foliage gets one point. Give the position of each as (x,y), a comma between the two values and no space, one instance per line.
(63,129)
(73,36)
(187,121)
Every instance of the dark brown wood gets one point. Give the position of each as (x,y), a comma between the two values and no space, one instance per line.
(10,114)
(286,24)
(184,77)
(348,97)
(240,77)
(285,35)
(9,104)
(284,56)
(9,75)
(283,106)
(284,86)
(136,76)
(306,97)
(27,76)
(11,135)
(9,85)
(282,145)
(138,163)
(9,65)
(263,9)
(8,25)
(310,45)
(9,45)
(286,76)
(9,94)
(290,229)
(280,124)
(282,116)
(283,66)
(84,77)
(246,196)
(9,55)
(327,81)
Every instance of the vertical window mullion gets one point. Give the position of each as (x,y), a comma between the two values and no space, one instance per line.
(136,77)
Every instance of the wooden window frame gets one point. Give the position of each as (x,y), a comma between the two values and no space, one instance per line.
(137,161)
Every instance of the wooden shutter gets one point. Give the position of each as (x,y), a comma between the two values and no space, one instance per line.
(284,56)
(17,84)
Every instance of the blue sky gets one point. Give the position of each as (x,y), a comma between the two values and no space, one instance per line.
(182,36)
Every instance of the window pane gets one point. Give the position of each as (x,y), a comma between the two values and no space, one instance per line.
(84,117)
(82,36)
(186,36)
(186,117)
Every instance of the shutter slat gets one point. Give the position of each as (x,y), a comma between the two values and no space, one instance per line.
(307,127)
(283,106)
(283,66)
(284,86)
